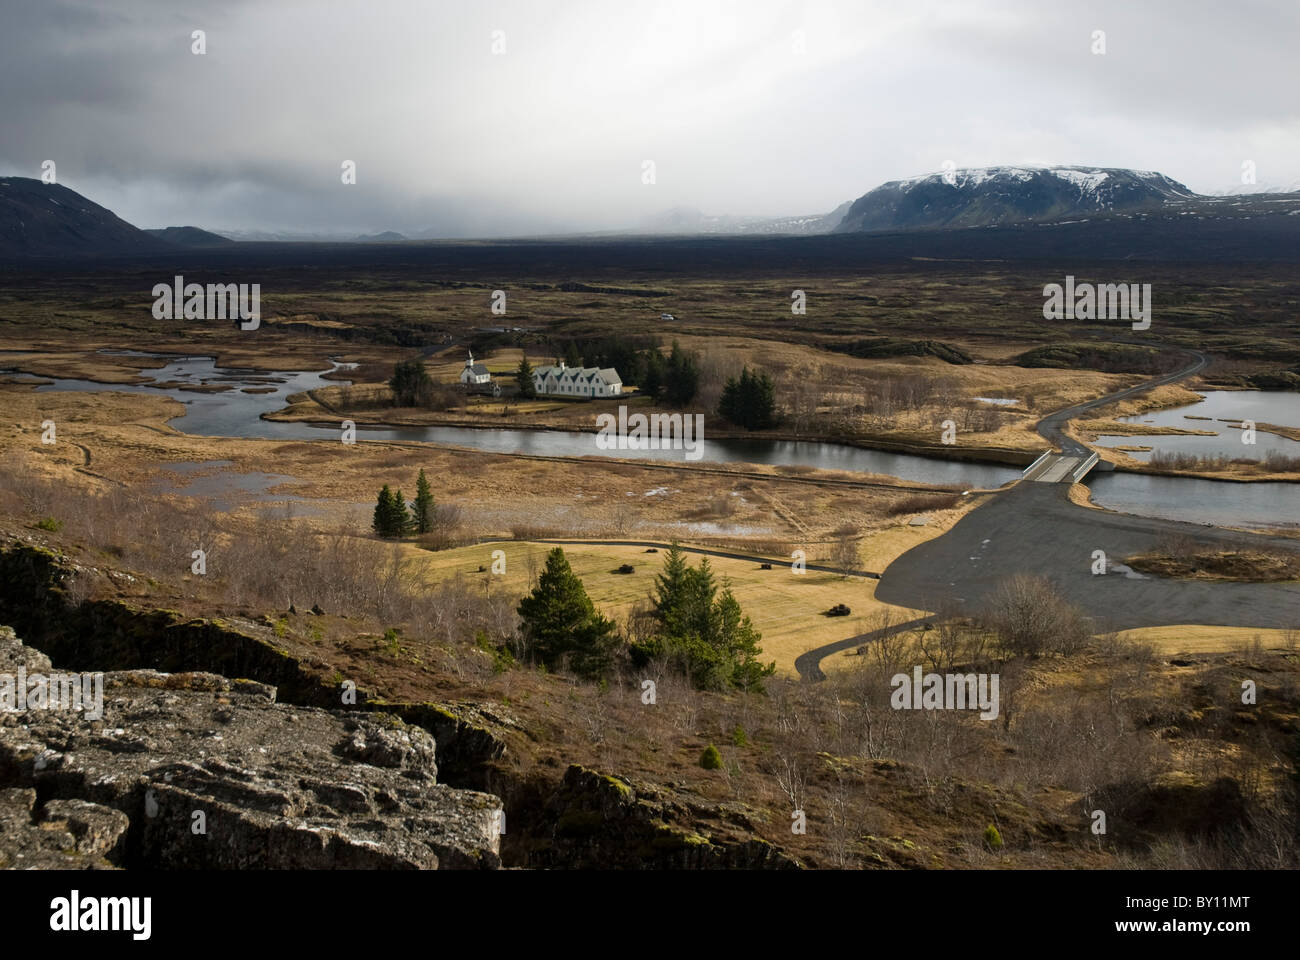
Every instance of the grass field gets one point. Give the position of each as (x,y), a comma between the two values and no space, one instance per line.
(1178,639)
(785,607)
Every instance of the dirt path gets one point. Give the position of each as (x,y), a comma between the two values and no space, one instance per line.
(703,551)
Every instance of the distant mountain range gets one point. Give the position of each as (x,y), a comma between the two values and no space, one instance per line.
(1006,196)
(299,236)
(388,236)
(189,237)
(47,219)
(991,197)
(687,220)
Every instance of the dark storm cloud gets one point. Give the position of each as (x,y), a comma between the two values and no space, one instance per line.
(758,107)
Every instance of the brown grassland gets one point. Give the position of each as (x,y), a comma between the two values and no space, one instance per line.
(1148,725)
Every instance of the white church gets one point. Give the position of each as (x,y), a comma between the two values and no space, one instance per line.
(475,374)
(584,382)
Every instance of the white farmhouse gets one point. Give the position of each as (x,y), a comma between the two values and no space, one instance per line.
(583,382)
(475,374)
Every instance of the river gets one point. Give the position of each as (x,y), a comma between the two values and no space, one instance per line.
(235,413)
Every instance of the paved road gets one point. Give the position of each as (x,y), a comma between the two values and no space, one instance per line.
(1051,426)
(1034,528)
(808,664)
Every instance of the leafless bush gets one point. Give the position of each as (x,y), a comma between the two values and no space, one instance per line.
(976,417)
(719,506)
(922,503)
(531,531)
(1083,746)
(715,369)
(953,642)
(802,394)
(844,551)
(1030,617)
(272,561)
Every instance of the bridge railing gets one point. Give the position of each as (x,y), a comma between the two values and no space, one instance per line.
(1082,469)
(1029,469)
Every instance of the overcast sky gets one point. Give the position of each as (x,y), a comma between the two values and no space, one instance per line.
(453,139)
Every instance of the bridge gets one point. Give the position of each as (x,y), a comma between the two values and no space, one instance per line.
(1060,467)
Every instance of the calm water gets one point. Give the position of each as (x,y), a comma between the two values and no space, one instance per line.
(232,413)
(1198,501)
(1220,405)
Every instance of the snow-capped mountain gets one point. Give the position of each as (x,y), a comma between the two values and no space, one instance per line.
(1003,195)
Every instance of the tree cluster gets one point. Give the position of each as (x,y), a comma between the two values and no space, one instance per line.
(411,384)
(749,401)
(393,518)
(674,379)
(703,628)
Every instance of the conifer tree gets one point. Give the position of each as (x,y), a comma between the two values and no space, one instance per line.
(385,510)
(422,519)
(401,515)
(524,378)
(707,632)
(653,380)
(671,586)
(749,401)
(410,383)
(682,377)
(561,623)
(391,518)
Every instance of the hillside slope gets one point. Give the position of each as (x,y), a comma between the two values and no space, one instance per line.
(46,219)
(1007,195)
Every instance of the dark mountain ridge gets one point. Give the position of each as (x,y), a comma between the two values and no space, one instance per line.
(1005,195)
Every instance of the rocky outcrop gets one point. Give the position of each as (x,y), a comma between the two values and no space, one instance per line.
(113,635)
(199,771)
(470,736)
(606,821)
(61,835)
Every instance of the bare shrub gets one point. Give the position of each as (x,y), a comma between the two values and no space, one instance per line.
(923,503)
(1029,617)
(844,551)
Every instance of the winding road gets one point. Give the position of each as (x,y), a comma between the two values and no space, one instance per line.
(1035,528)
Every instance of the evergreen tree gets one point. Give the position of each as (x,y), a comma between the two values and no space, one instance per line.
(682,378)
(700,613)
(572,357)
(560,622)
(763,402)
(422,518)
(729,405)
(749,401)
(740,640)
(380,522)
(524,377)
(708,633)
(401,515)
(410,383)
(390,518)
(652,380)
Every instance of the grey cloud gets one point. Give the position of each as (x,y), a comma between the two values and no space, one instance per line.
(550,137)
